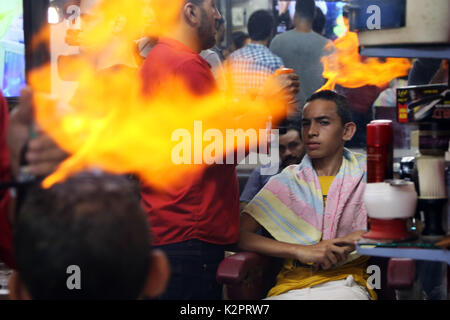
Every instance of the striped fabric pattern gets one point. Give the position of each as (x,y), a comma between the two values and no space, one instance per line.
(252,65)
(290,206)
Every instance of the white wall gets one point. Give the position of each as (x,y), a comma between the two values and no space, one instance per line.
(64,90)
(248,7)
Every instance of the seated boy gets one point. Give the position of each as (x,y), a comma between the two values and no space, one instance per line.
(314,211)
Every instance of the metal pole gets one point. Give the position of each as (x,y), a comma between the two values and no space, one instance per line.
(229,22)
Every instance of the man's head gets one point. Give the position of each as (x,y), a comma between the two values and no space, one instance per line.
(240,40)
(200,16)
(318,25)
(94,223)
(220,28)
(260,25)
(101,35)
(290,144)
(305,9)
(326,124)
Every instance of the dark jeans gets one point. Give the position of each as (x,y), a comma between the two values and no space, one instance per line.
(194,266)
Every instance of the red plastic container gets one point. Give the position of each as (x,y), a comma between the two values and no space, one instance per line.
(380,151)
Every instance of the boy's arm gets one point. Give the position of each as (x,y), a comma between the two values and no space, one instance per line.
(324,254)
(249,240)
(252,187)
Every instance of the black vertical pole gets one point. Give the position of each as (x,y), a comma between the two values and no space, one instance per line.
(229,22)
(34,20)
(37,53)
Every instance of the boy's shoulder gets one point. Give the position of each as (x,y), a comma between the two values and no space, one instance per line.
(358,162)
(359,157)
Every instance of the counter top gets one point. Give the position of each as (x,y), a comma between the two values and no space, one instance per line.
(425,51)
(411,252)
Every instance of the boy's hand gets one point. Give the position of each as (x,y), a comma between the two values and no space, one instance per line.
(345,244)
(350,239)
(324,254)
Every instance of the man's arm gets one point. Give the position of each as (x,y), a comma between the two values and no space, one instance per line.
(282,87)
(251,188)
(197,77)
(20,122)
(289,86)
(324,254)
(43,155)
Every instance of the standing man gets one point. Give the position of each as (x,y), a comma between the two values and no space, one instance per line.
(220,36)
(214,56)
(302,49)
(194,223)
(253,64)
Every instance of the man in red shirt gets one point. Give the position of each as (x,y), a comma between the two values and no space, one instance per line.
(193,223)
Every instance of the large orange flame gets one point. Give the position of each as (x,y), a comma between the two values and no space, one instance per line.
(111,125)
(346,67)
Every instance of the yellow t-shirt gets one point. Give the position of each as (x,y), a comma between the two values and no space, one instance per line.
(292,277)
(325,183)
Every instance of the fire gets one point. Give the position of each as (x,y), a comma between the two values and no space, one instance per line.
(346,67)
(111,125)
(132,19)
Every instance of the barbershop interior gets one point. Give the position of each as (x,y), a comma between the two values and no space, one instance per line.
(289,150)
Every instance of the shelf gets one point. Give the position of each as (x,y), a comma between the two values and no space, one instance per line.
(437,52)
(411,253)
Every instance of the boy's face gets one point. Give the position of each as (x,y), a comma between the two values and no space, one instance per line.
(322,129)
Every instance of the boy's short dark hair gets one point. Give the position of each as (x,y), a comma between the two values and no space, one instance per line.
(93,222)
(342,105)
(305,9)
(260,25)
